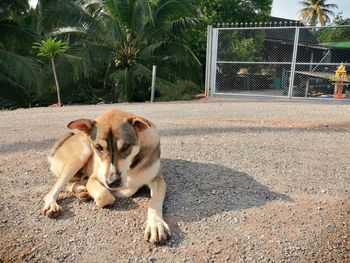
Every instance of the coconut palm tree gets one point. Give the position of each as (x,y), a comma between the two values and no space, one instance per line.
(316,11)
(19,73)
(50,48)
(129,36)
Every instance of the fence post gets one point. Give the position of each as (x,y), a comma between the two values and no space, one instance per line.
(214,49)
(208,59)
(294,58)
(153,87)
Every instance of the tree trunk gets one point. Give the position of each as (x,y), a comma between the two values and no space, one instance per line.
(127,86)
(57,85)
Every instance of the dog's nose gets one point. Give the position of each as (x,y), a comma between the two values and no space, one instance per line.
(115,183)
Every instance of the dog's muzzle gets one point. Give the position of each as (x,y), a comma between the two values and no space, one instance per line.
(115,183)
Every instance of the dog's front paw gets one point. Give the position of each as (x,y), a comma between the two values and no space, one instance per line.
(104,198)
(52,210)
(157,231)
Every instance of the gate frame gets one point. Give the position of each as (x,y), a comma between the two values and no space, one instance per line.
(211,58)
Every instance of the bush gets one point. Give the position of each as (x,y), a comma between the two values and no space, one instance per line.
(181,90)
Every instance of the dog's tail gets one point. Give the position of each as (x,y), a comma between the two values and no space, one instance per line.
(59,143)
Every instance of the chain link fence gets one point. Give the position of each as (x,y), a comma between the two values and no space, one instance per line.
(278,61)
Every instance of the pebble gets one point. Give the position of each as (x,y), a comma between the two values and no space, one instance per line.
(152,259)
(217,251)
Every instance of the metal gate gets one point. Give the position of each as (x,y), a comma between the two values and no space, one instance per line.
(276,61)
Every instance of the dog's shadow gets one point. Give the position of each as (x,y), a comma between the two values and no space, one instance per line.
(200,190)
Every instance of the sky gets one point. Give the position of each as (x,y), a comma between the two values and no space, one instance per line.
(289,8)
(33,2)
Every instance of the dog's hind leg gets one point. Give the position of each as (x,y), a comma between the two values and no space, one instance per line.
(79,189)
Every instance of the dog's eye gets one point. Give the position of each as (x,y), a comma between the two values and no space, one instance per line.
(99,147)
(125,147)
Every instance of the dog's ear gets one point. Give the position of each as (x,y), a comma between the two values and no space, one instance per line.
(84,125)
(139,123)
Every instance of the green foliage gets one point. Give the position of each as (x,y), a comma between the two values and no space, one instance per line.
(316,11)
(132,36)
(181,90)
(13,9)
(236,46)
(50,47)
(20,74)
(338,34)
(227,11)
(113,45)
(219,11)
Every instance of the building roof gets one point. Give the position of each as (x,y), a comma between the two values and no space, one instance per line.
(343,44)
(286,35)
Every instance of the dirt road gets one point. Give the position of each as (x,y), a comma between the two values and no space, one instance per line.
(248,181)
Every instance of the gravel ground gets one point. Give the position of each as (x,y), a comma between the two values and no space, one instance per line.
(248,181)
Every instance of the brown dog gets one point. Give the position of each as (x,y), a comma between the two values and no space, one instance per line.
(114,155)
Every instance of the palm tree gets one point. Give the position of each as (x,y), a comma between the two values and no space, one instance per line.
(316,11)
(129,36)
(50,48)
(19,73)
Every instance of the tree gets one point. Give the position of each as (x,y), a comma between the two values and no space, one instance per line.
(214,12)
(19,73)
(335,34)
(50,48)
(316,11)
(129,36)
(227,11)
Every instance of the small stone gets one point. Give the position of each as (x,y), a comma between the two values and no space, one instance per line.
(217,251)
(209,243)
(152,259)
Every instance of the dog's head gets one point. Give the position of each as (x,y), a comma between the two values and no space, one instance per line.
(115,144)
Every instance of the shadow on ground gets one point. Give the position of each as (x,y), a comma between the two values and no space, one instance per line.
(196,190)
(25,146)
(251,129)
